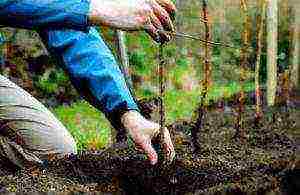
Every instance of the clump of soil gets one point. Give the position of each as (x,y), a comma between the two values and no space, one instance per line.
(267,161)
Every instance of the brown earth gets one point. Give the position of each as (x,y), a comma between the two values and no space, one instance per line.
(267,162)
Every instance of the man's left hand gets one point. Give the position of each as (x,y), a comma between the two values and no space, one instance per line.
(143,131)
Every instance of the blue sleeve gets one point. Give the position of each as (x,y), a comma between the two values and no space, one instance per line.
(93,70)
(36,14)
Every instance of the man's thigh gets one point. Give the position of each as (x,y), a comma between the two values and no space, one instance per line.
(27,123)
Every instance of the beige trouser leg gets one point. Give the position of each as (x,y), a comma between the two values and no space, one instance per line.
(28,130)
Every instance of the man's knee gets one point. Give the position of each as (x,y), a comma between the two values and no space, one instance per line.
(67,145)
(49,138)
(34,124)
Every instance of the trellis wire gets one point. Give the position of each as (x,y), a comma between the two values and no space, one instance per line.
(188,36)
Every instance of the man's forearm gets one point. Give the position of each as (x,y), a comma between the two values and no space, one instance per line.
(36,14)
(93,70)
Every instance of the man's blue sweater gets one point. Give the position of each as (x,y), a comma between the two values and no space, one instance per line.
(64,29)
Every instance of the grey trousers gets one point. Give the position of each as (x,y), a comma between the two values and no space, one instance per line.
(29,132)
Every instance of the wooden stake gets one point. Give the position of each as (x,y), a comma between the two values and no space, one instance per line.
(260,23)
(295,62)
(272,29)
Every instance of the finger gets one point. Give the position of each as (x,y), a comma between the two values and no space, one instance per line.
(163,16)
(153,32)
(168,146)
(168,6)
(150,152)
(164,37)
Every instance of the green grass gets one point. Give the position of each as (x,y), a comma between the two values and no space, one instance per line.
(92,131)
(181,104)
(87,125)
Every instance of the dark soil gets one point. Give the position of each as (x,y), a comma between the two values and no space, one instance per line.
(267,162)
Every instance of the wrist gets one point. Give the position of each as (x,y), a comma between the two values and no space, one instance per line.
(128,117)
(94,15)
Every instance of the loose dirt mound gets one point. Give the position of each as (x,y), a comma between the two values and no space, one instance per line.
(267,162)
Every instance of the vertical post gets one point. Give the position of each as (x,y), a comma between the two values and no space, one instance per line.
(295,46)
(272,47)
(180,4)
(259,34)
(223,35)
(240,131)
(124,57)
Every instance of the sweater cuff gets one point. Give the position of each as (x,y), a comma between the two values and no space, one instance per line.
(116,114)
(80,15)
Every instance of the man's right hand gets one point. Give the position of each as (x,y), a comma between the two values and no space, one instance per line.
(149,15)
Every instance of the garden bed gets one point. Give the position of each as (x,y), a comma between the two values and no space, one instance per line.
(266,162)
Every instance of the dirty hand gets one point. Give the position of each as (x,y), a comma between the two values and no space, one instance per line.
(143,131)
(148,15)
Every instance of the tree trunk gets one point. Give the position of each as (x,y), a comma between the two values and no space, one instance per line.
(272,47)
